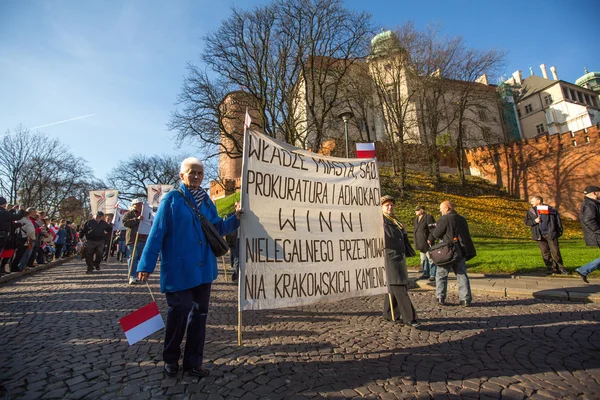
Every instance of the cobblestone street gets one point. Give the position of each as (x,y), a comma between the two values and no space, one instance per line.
(60,338)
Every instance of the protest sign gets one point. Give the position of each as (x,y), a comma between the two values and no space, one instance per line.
(103,200)
(312,229)
(118,219)
(157,192)
(147,219)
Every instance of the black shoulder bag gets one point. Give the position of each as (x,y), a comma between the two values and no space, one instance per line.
(215,240)
(445,253)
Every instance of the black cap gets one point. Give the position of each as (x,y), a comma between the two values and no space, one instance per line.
(100,214)
(419,208)
(587,190)
(2,201)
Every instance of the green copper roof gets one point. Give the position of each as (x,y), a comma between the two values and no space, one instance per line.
(587,77)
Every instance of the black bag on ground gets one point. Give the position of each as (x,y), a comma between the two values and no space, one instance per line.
(215,240)
(445,253)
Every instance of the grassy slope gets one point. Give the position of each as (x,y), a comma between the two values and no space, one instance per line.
(495,219)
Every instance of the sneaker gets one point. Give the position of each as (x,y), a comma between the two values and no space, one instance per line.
(132,281)
(414,324)
(441,301)
(432,279)
(465,303)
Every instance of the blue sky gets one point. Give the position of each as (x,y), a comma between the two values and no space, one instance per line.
(124,61)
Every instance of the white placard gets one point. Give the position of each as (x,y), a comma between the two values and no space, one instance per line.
(157,192)
(103,200)
(147,219)
(312,228)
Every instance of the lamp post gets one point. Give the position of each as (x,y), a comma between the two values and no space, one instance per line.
(345,116)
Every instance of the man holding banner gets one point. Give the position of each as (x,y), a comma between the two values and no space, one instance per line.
(135,241)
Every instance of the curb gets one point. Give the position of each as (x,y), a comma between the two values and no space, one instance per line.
(17,275)
(559,293)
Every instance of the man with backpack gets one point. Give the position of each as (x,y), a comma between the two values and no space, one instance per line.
(546,228)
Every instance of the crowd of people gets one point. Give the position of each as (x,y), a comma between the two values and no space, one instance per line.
(29,238)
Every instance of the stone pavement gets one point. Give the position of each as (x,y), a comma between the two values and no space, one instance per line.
(60,338)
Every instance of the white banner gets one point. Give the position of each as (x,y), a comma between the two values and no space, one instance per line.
(147,219)
(312,229)
(118,219)
(103,200)
(157,192)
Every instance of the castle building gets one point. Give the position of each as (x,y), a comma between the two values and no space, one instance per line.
(551,106)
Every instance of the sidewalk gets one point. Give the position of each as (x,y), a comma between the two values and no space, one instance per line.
(540,287)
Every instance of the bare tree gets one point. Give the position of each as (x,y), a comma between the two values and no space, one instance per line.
(288,56)
(132,177)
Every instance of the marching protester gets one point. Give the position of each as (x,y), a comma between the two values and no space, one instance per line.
(395,265)
(188,265)
(589,215)
(122,253)
(135,241)
(24,241)
(61,240)
(452,227)
(108,237)
(546,228)
(6,219)
(422,226)
(94,232)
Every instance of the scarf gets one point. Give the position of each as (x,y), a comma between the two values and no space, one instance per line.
(199,196)
(394,221)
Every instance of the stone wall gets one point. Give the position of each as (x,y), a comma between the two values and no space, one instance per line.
(557,167)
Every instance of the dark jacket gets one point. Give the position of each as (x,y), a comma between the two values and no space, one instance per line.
(421,232)
(7,217)
(95,231)
(550,222)
(395,264)
(132,223)
(589,215)
(454,226)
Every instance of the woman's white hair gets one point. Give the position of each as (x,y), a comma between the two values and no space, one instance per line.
(186,164)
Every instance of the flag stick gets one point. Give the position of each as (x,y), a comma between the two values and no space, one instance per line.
(391,307)
(132,255)
(148,285)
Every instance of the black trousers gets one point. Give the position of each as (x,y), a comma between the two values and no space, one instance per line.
(551,252)
(93,253)
(401,302)
(187,309)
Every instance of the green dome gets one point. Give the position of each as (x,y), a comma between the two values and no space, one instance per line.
(587,77)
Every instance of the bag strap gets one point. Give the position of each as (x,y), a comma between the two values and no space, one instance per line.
(191,205)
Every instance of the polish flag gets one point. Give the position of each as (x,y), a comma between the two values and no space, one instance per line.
(365,150)
(142,323)
(543,210)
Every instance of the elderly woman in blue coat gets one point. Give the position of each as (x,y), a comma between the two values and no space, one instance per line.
(188,266)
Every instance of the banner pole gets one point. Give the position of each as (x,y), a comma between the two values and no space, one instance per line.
(225,265)
(239,328)
(132,255)
(391,307)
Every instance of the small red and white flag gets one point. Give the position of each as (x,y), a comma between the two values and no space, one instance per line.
(543,210)
(142,323)
(247,121)
(365,150)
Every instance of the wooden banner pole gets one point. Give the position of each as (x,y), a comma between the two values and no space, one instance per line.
(391,307)
(132,255)
(239,328)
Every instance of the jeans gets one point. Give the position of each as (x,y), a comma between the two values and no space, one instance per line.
(139,247)
(589,267)
(427,264)
(25,258)
(441,280)
(123,249)
(234,255)
(188,310)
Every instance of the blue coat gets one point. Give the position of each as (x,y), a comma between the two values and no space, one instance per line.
(187,260)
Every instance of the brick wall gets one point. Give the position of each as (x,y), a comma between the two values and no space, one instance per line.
(556,167)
